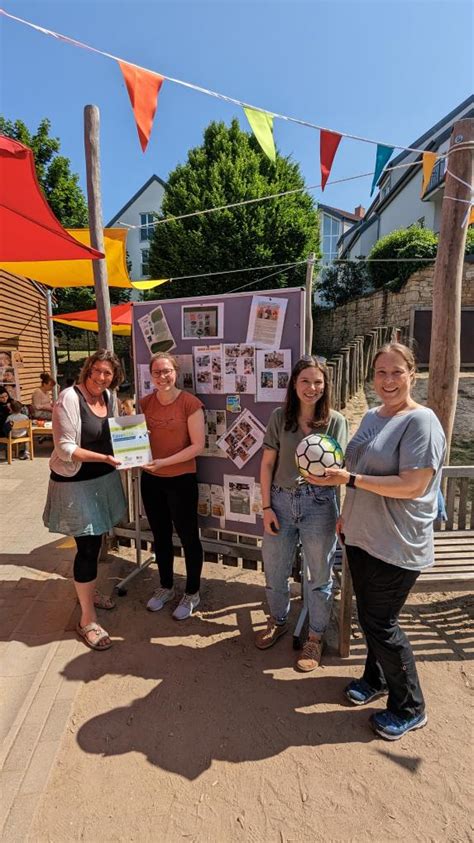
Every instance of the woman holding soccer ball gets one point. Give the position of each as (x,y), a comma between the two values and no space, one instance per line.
(392,474)
(296,511)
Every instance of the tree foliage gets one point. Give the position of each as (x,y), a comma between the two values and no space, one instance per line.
(402,250)
(229,167)
(343,281)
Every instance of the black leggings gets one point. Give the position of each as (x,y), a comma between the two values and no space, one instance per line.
(87,557)
(168,501)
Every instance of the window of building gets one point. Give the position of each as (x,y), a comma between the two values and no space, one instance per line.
(145,257)
(147,232)
(386,187)
(332,230)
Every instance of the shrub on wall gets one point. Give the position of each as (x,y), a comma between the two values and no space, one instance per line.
(397,256)
(344,281)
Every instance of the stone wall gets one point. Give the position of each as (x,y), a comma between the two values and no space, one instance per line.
(333,328)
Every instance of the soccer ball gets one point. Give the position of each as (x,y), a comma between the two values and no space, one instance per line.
(316,453)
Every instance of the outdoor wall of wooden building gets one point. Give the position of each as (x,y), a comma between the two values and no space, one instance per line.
(24,327)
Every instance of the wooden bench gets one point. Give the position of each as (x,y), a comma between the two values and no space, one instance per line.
(454,550)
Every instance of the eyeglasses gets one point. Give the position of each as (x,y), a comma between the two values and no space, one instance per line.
(162,373)
(105,372)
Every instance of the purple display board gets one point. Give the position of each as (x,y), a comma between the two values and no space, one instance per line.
(228,315)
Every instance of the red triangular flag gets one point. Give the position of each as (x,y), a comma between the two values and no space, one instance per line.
(328,143)
(143,88)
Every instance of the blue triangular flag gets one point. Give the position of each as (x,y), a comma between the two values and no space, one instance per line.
(383,154)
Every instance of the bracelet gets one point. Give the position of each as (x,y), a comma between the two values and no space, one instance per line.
(266,507)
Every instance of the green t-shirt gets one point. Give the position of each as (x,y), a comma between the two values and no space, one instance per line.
(285,443)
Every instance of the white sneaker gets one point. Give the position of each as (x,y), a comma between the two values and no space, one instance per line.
(186,606)
(160,597)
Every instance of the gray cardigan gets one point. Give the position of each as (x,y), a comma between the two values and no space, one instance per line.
(66,433)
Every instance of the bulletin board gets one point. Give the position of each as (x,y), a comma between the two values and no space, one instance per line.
(236,353)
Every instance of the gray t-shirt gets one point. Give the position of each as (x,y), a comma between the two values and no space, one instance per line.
(285,443)
(392,529)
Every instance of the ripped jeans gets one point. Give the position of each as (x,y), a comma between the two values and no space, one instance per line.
(307,514)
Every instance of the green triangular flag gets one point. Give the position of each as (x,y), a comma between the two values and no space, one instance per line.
(262,126)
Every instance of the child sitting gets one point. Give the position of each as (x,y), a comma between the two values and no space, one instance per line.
(17,414)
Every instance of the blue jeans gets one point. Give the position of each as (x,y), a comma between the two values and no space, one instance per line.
(306,514)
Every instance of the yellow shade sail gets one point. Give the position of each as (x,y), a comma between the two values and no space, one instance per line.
(79,273)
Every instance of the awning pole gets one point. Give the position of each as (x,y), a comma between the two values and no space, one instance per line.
(52,350)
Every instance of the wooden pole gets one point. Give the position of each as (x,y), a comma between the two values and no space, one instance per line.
(308,332)
(92,151)
(445,351)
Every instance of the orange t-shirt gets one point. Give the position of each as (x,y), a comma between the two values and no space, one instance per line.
(168,429)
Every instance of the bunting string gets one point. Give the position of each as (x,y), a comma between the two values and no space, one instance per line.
(207,91)
(284,193)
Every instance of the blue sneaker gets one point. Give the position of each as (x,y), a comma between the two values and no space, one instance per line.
(359,692)
(392,727)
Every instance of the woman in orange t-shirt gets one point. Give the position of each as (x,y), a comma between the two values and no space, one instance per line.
(175,421)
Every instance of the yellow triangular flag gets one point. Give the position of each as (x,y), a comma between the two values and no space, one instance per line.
(429,160)
(261,124)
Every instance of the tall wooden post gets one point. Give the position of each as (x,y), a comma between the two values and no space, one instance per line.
(445,352)
(308,328)
(92,150)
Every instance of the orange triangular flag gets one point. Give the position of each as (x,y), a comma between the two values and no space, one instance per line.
(328,143)
(143,88)
(429,160)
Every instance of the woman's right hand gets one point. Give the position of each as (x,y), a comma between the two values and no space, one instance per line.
(110,460)
(270,522)
(340,530)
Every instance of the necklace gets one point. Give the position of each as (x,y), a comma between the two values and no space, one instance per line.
(93,399)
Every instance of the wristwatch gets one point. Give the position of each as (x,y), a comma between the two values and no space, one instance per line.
(351,482)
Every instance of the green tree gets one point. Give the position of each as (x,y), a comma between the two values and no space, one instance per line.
(344,281)
(229,167)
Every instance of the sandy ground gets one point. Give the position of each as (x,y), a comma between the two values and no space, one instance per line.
(187,732)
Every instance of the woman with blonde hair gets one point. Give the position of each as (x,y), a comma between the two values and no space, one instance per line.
(392,474)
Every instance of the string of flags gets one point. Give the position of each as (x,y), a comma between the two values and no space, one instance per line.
(144,86)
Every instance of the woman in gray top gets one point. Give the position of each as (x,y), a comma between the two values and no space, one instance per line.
(392,474)
(296,511)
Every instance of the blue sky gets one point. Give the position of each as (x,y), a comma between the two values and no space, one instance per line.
(378,68)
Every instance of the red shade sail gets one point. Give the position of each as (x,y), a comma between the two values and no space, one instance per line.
(29,231)
(120,314)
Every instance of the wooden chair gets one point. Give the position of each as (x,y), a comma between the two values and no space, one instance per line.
(11,441)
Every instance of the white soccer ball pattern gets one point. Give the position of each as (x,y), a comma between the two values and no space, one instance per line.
(317,452)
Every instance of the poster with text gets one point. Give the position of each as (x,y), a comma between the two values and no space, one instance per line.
(185,375)
(273,374)
(208,369)
(239,368)
(238,497)
(217,501)
(156,331)
(145,380)
(204,499)
(202,321)
(215,426)
(267,317)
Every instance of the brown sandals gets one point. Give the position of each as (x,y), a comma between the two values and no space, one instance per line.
(103,601)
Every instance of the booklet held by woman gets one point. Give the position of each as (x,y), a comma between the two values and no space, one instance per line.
(130,441)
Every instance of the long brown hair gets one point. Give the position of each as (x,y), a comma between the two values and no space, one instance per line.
(322,408)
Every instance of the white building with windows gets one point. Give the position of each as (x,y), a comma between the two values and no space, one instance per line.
(399,203)
(139,211)
(333,223)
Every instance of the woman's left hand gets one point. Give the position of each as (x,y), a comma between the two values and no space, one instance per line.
(331,477)
(154,466)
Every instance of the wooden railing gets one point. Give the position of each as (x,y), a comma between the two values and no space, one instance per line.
(350,366)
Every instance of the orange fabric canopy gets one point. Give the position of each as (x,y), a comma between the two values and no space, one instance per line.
(121,317)
(28,228)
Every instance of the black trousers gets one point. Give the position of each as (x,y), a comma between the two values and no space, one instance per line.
(87,557)
(168,501)
(381,591)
